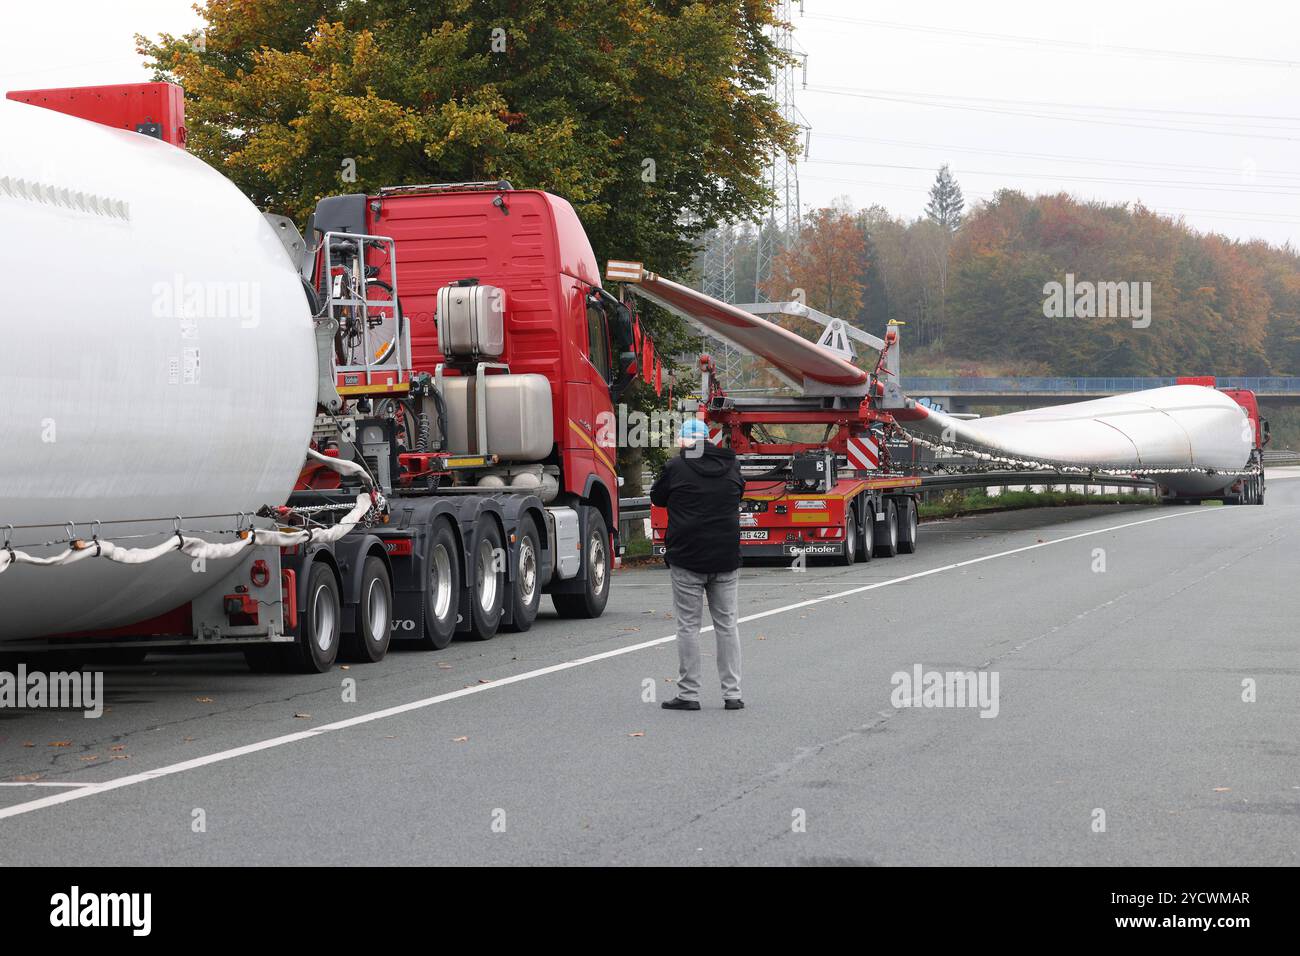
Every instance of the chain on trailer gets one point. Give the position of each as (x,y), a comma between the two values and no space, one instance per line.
(368,509)
(991,462)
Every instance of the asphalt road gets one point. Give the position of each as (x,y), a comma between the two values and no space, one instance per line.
(1118,690)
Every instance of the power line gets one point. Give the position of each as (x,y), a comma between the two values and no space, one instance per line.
(1239,215)
(1034,115)
(1156,183)
(1045,104)
(1056,157)
(1076,46)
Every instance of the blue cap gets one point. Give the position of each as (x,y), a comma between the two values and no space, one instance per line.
(693,430)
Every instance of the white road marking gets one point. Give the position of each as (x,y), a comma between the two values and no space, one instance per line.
(224,755)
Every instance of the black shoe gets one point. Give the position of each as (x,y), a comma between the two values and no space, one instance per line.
(678,704)
(733,703)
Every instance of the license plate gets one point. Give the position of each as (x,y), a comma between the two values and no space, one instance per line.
(753,536)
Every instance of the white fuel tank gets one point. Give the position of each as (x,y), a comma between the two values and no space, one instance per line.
(158,360)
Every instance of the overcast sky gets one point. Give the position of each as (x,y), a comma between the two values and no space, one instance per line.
(1191,107)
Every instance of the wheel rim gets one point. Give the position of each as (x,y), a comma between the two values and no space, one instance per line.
(850,537)
(911,522)
(486,577)
(324,617)
(596,562)
(527,571)
(440,582)
(893,530)
(377,609)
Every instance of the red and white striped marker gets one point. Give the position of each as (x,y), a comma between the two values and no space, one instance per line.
(863,453)
(715,434)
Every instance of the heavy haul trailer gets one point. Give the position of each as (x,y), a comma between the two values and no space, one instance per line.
(837,498)
(1242,489)
(453,474)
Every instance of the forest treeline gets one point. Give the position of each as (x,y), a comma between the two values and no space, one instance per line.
(973,294)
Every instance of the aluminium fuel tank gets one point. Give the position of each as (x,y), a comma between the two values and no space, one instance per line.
(158,360)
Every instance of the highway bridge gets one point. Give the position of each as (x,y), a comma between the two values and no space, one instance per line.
(959,393)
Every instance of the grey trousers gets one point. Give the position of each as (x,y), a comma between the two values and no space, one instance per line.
(689,588)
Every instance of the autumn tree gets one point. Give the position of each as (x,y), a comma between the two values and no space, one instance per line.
(825,262)
(652,119)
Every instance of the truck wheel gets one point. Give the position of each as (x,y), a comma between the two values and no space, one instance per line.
(907,526)
(866,542)
(887,531)
(321,620)
(442,590)
(595,594)
(489,584)
(1259,490)
(850,538)
(374,631)
(526,592)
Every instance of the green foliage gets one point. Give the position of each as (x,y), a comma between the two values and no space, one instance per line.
(955,503)
(946,202)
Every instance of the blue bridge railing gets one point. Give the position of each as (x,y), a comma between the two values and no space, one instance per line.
(922,386)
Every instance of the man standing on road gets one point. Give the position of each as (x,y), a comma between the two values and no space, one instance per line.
(702,488)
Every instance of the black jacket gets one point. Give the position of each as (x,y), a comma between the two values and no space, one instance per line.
(702,493)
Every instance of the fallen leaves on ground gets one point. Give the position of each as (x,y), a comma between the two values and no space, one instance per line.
(301,716)
(1222,789)
(637,733)
(459,740)
(60,743)
(203,700)
(27,777)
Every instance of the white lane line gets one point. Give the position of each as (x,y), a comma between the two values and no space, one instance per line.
(224,755)
(45,783)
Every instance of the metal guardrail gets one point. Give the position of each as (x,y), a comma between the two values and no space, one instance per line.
(925,386)
(1281,456)
(634,509)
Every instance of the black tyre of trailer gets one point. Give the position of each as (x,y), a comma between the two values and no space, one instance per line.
(368,643)
(866,543)
(591,601)
(907,526)
(526,592)
(887,531)
(850,538)
(1259,490)
(442,589)
(490,582)
(320,623)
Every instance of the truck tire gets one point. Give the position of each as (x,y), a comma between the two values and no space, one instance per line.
(320,623)
(906,526)
(866,543)
(887,531)
(850,539)
(490,582)
(591,601)
(441,590)
(526,591)
(1259,490)
(368,643)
